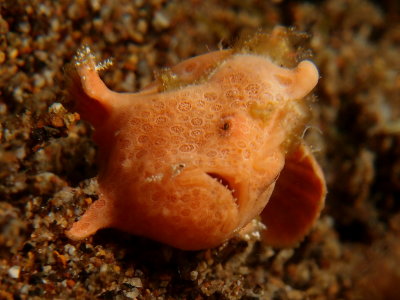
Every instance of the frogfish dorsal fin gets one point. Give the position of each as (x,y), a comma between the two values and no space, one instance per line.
(297,200)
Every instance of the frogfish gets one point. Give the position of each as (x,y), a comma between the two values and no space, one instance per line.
(213,143)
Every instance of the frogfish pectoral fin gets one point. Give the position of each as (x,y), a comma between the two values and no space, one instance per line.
(297,200)
(96,217)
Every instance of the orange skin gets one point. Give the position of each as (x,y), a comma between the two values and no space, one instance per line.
(192,165)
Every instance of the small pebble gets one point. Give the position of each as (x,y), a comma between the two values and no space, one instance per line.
(194,275)
(136,282)
(160,21)
(14,271)
(13,53)
(132,294)
(2,57)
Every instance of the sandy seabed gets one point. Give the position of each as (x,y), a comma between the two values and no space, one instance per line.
(47,156)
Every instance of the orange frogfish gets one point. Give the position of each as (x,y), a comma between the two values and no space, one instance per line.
(212,144)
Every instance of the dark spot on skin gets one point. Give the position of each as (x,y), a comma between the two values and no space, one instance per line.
(225,126)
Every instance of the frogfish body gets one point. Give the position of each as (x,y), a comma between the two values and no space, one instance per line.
(193,158)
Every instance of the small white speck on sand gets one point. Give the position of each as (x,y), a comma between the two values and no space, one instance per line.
(14,272)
